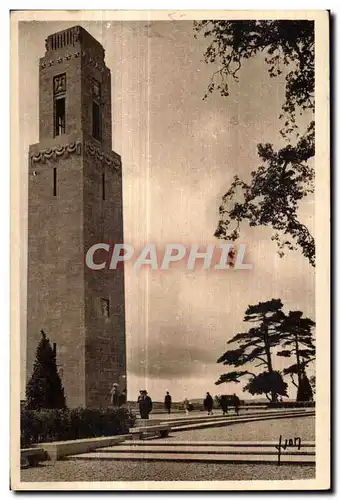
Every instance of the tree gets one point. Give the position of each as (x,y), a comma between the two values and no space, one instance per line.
(267,383)
(286,176)
(297,341)
(255,345)
(305,392)
(44,389)
(312,382)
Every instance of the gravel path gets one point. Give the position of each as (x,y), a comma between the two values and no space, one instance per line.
(162,471)
(174,471)
(267,430)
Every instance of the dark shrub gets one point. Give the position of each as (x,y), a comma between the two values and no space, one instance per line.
(39,426)
(292,404)
(44,389)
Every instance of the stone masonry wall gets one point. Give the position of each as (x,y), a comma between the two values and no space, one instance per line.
(64,296)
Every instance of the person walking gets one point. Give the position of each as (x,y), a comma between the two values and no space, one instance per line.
(186,405)
(236,401)
(167,402)
(145,405)
(208,403)
(224,404)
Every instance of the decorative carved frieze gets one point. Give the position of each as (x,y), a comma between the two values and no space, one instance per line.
(95,152)
(57,152)
(67,57)
(90,60)
(96,89)
(76,148)
(59,84)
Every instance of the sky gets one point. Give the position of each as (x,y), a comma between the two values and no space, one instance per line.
(179,155)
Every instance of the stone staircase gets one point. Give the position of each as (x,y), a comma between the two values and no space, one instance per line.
(202,451)
(202,422)
(145,444)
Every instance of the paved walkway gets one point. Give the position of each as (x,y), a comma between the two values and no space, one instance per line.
(206,470)
(266,430)
(163,471)
(198,414)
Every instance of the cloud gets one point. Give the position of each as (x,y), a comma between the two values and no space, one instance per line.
(174,353)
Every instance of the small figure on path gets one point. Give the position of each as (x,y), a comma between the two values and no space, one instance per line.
(186,405)
(167,402)
(122,398)
(224,404)
(115,396)
(145,405)
(236,402)
(208,403)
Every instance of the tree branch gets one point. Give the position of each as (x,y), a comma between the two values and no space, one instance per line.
(293,381)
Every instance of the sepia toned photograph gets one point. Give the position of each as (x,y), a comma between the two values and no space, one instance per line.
(171,235)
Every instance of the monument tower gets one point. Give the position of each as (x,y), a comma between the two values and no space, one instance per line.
(74,202)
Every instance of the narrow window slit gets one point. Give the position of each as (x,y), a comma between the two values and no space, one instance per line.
(96,130)
(59,116)
(54,181)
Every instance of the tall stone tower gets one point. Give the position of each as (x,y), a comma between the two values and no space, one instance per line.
(74,202)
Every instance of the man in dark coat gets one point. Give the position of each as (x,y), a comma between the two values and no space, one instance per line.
(208,403)
(122,398)
(167,402)
(236,402)
(224,404)
(145,405)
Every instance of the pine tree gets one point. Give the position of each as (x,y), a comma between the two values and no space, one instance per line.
(255,345)
(44,389)
(305,391)
(267,383)
(298,342)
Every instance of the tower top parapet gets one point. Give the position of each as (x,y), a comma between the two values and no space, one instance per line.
(72,37)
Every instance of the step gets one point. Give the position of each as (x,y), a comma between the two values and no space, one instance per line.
(192,457)
(155,428)
(171,443)
(159,430)
(217,449)
(148,422)
(56,450)
(231,411)
(217,418)
(221,423)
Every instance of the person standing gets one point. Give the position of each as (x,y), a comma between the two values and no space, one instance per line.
(167,402)
(145,405)
(115,396)
(236,404)
(224,404)
(186,405)
(208,403)
(122,398)
(139,399)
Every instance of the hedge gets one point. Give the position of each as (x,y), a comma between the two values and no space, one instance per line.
(292,404)
(38,426)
